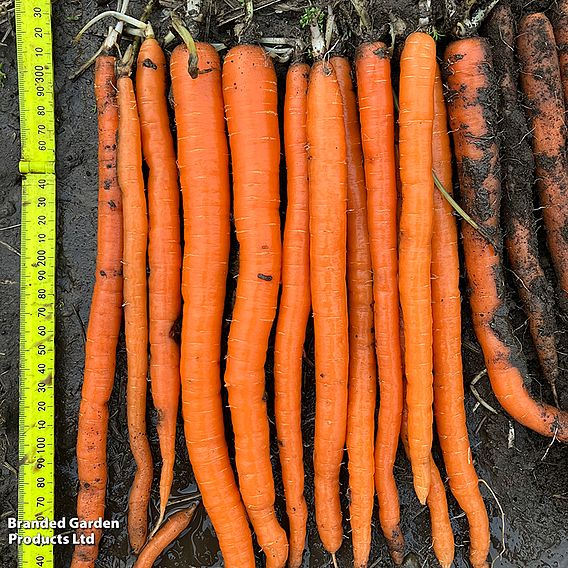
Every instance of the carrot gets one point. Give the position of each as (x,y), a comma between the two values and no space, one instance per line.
(442,534)
(164,251)
(204,174)
(446,315)
(518,217)
(377,134)
(294,310)
(104,321)
(362,360)
(560,24)
(473,121)
(249,86)
(173,527)
(417,69)
(135,303)
(328,234)
(540,81)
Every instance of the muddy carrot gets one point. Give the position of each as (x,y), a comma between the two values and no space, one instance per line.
(447,326)
(417,70)
(172,528)
(328,233)
(540,81)
(362,360)
(560,24)
(104,320)
(249,86)
(164,251)
(377,135)
(204,174)
(294,310)
(517,166)
(473,120)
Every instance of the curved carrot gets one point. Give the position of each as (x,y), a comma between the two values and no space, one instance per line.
(442,533)
(294,310)
(446,315)
(104,321)
(172,528)
(473,120)
(328,233)
(377,135)
(249,86)
(204,173)
(417,70)
(362,360)
(164,252)
(537,53)
(535,291)
(560,24)
(135,305)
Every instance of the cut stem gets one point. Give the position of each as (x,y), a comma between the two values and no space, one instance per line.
(114,14)
(363,14)
(187,38)
(471,24)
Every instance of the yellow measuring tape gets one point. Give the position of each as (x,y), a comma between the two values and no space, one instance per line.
(36,491)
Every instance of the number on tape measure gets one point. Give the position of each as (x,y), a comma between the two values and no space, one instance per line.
(36,499)
(35,81)
(37,310)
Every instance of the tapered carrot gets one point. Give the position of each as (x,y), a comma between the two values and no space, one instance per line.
(417,69)
(377,135)
(173,527)
(135,303)
(446,315)
(535,291)
(540,80)
(473,120)
(249,86)
(104,321)
(442,533)
(294,310)
(362,360)
(560,24)
(204,175)
(164,251)
(328,233)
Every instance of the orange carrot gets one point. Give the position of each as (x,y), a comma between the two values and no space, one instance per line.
(446,314)
(294,310)
(164,251)
(328,233)
(541,83)
(417,70)
(442,533)
(204,174)
(377,130)
(473,121)
(173,527)
(135,304)
(249,86)
(362,360)
(104,321)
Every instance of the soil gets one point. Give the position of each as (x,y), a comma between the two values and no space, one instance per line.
(525,477)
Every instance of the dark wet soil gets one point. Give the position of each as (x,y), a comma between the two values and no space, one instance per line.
(528,479)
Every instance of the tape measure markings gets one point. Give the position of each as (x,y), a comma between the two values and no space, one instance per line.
(36,489)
